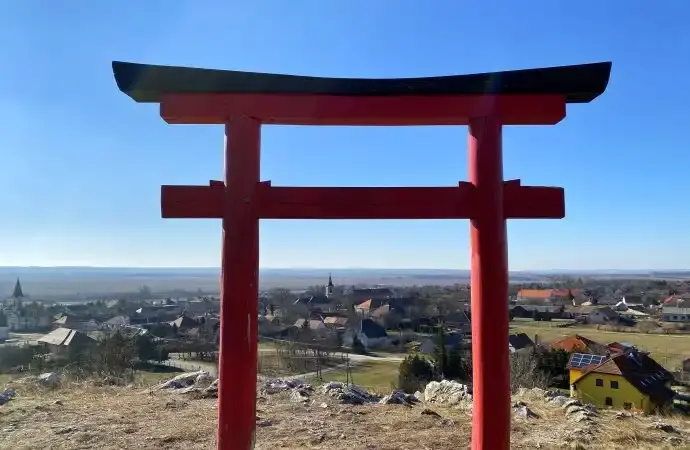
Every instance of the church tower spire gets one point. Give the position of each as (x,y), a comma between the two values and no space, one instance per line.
(329,287)
(17,295)
(18,290)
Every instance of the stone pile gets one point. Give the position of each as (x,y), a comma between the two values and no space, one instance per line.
(449,393)
(349,393)
(574,410)
(399,398)
(7,395)
(523,411)
(199,382)
(299,390)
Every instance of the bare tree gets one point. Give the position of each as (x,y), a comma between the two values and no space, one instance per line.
(524,372)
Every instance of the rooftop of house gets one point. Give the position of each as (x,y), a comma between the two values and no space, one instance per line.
(313,324)
(336,321)
(638,368)
(605,311)
(313,300)
(372,304)
(385,310)
(674,300)
(580,344)
(519,341)
(65,337)
(619,347)
(184,322)
(566,292)
(372,330)
(535,293)
(545,294)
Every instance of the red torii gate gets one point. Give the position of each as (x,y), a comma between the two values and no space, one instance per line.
(243,101)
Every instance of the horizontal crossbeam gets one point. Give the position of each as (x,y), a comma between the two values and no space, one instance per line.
(398,110)
(279,202)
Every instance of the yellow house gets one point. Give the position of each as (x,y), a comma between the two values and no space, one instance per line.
(630,380)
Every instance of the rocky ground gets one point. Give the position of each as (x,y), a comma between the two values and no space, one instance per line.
(182,415)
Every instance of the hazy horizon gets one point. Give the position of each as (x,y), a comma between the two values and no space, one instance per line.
(329,269)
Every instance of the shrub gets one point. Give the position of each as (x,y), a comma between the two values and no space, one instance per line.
(413,374)
(13,356)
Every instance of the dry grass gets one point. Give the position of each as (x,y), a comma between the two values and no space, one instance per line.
(84,417)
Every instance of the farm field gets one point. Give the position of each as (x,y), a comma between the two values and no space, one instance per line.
(667,349)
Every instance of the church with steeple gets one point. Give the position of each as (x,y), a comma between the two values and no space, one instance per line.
(329,287)
(17,295)
(22,315)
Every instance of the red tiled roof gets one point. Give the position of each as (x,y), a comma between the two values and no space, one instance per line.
(674,298)
(579,344)
(566,292)
(535,293)
(365,304)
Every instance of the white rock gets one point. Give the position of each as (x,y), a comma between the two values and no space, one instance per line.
(183,380)
(448,392)
(49,378)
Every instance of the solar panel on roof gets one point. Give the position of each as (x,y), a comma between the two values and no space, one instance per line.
(585,359)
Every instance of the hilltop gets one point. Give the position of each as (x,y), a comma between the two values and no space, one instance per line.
(88,417)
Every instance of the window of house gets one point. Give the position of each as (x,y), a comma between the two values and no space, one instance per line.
(600,382)
(609,401)
(627,405)
(614,384)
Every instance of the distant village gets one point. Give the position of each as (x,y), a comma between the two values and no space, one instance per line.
(405,320)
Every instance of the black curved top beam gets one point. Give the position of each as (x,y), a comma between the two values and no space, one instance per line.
(148,83)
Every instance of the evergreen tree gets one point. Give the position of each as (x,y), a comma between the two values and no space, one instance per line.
(440,354)
(414,373)
(458,367)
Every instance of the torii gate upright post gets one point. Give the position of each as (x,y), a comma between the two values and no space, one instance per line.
(244,101)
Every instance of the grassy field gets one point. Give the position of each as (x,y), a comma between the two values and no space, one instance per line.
(667,349)
(378,376)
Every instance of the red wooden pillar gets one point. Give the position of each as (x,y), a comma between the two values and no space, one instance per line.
(489,278)
(239,287)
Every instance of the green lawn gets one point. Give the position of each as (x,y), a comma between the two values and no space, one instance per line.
(667,349)
(377,376)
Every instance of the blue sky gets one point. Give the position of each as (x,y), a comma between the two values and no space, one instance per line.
(82,163)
